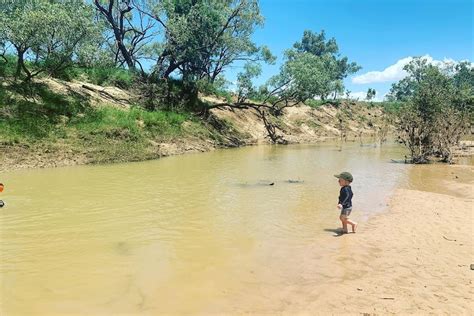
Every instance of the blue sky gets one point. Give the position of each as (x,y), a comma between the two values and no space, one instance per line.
(375,34)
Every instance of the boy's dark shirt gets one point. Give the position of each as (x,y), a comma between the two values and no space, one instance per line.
(345,196)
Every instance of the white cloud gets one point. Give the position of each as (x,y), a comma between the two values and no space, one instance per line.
(392,73)
(395,72)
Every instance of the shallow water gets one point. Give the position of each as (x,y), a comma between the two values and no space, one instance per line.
(197,233)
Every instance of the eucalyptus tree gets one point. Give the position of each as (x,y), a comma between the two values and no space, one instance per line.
(47,35)
(311,69)
(200,38)
(130,32)
(326,57)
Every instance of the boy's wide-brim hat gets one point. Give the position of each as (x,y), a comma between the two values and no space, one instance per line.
(345,175)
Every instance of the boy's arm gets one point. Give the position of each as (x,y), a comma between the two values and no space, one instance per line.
(341,197)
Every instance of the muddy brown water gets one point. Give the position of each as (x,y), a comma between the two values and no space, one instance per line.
(201,233)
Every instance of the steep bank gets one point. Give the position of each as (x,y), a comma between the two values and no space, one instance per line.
(109,128)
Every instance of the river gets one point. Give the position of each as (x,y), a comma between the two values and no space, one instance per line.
(221,232)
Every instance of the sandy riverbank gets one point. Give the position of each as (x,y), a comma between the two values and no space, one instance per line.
(414,259)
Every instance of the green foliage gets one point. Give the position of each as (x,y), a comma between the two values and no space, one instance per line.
(43,114)
(371,94)
(433,92)
(244,81)
(316,44)
(204,37)
(391,106)
(464,76)
(463,81)
(405,88)
(325,57)
(192,42)
(104,76)
(318,103)
(7,66)
(310,75)
(219,88)
(314,103)
(402,90)
(313,68)
(38,115)
(171,95)
(128,125)
(437,110)
(49,34)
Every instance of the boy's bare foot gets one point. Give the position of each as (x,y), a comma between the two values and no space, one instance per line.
(354,227)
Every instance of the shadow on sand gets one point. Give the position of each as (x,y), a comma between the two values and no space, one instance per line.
(337,231)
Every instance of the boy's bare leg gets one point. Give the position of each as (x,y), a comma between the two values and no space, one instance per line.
(344,223)
(353,224)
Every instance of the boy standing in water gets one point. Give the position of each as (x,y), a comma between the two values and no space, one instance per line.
(345,201)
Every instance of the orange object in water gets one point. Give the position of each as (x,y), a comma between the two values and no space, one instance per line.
(1,187)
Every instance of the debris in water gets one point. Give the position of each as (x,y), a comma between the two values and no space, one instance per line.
(449,239)
(294,181)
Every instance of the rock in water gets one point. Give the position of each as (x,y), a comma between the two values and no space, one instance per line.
(2,204)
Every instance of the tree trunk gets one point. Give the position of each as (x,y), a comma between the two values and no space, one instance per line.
(271,129)
(119,30)
(124,52)
(20,63)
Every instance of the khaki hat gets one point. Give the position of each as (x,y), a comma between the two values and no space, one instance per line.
(345,175)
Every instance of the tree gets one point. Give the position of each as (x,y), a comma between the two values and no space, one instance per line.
(437,110)
(348,94)
(244,81)
(371,94)
(310,70)
(463,80)
(402,90)
(3,36)
(338,88)
(48,35)
(131,31)
(202,38)
(331,67)
(464,75)
(405,88)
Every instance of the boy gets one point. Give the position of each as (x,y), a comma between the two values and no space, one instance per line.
(345,201)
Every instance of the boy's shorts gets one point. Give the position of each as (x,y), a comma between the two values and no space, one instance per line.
(346,211)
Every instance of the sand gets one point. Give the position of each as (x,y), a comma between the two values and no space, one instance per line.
(414,259)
